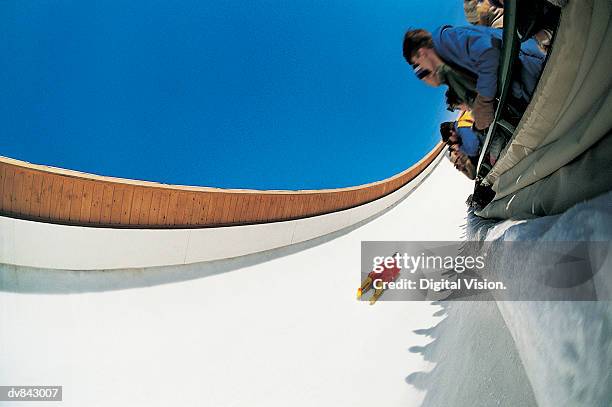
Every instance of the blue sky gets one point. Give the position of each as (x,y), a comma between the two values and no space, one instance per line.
(253,94)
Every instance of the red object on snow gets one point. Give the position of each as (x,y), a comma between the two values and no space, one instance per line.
(387,275)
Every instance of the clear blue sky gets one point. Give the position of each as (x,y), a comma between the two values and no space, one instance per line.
(238,94)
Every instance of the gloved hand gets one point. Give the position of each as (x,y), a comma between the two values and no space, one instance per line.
(483,112)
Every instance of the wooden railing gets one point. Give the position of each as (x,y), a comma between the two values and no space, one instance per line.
(41,193)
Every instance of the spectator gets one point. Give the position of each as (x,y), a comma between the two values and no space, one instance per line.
(538,19)
(467,60)
(483,12)
(453,102)
(460,133)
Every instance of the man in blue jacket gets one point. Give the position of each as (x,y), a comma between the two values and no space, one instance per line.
(467,60)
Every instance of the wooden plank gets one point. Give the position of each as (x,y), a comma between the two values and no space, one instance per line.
(343,201)
(64,207)
(231,210)
(295,206)
(56,196)
(107,204)
(136,204)
(155,207)
(23,205)
(3,168)
(45,196)
(302,205)
(333,200)
(145,208)
(256,208)
(37,185)
(189,217)
(237,217)
(366,194)
(318,206)
(204,209)
(264,204)
(286,213)
(290,206)
(198,208)
(372,196)
(227,204)
(314,204)
(172,207)
(278,208)
(248,208)
(352,198)
(181,208)
(215,200)
(275,207)
(7,193)
(117,204)
(76,202)
(16,201)
(126,205)
(88,189)
(188,208)
(358,200)
(97,199)
(324,202)
(305,205)
(266,208)
(162,216)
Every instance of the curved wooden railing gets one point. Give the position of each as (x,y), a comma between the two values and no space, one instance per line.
(47,194)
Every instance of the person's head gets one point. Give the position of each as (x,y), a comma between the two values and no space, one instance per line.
(448,133)
(452,100)
(470,8)
(453,103)
(418,50)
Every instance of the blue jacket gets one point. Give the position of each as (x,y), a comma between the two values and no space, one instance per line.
(469,140)
(477,50)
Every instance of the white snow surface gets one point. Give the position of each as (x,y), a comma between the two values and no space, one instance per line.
(274,329)
(566,347)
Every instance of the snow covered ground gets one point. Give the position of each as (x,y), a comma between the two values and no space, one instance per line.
(566,347)
(527,353)
(274,329)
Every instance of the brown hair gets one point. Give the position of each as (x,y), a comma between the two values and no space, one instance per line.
(414,40)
